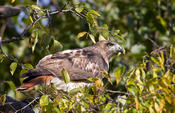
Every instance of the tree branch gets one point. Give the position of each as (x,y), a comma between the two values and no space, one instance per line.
(13,39)
(119,92)
(9,11)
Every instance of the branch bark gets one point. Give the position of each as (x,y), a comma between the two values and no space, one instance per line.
(9,11)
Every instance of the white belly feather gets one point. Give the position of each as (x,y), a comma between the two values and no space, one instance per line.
(61,85)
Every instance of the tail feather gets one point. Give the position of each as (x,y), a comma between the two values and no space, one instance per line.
(29,85)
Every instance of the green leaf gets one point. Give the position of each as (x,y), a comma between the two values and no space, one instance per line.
(155,60)
(3,99)
(74,91)
(28,66)
(92,38)
(101,37)
(65,76)
(107,76)
(44,100)
(35,7)
(171,50)
(1,57)
(81,34)
(13,67)
(104,30)
(92,79)
(46,41)
(57,110)
(11,84)
(162,21)
(162,60)
(94,12)
(90,18)
(79,9)
(122,99)
(35,41)
(99,83)
(119,73)
(23,71)
(121,37)
(55,46)
(132,88)
(116,33)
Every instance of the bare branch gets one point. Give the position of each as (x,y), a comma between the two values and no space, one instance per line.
(2,51)
(119,92)
(3,28)
(13,39)
(9,11)
(55,3)
(153,42)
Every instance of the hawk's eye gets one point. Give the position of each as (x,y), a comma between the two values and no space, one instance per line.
(110,44)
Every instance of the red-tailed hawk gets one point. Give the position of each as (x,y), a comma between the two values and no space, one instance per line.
(80,64)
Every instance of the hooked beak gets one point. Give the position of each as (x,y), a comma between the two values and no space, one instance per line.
(121,51)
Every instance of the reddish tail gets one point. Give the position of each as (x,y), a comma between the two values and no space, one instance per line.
(29,85)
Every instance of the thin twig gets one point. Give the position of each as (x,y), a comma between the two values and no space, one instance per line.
(89,110)
(153,42)
(2,51)
(3,28)
(13,39)
(27,105)
(23,33)
(119,92)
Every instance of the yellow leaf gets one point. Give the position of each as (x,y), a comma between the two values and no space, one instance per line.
(155,60)
(159,106)
(101,37)
(12,1)
(137,102)
(151,110)
(171,50)
(79,9)
(162,21)
(161,61)
(173,102)
(119,73)
(81,34)
(121,37)
(162,56)
(156,106)
(31,19)
(107,76)
(3,99)
(92,38)
(117,77)
(99,83)
(168,99)
(94,12)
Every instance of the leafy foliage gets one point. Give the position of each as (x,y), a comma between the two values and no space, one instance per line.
(144,78)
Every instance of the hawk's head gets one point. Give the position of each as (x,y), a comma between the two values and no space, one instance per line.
(109,47)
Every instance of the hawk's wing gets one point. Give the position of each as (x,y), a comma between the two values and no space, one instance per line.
(80,64)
